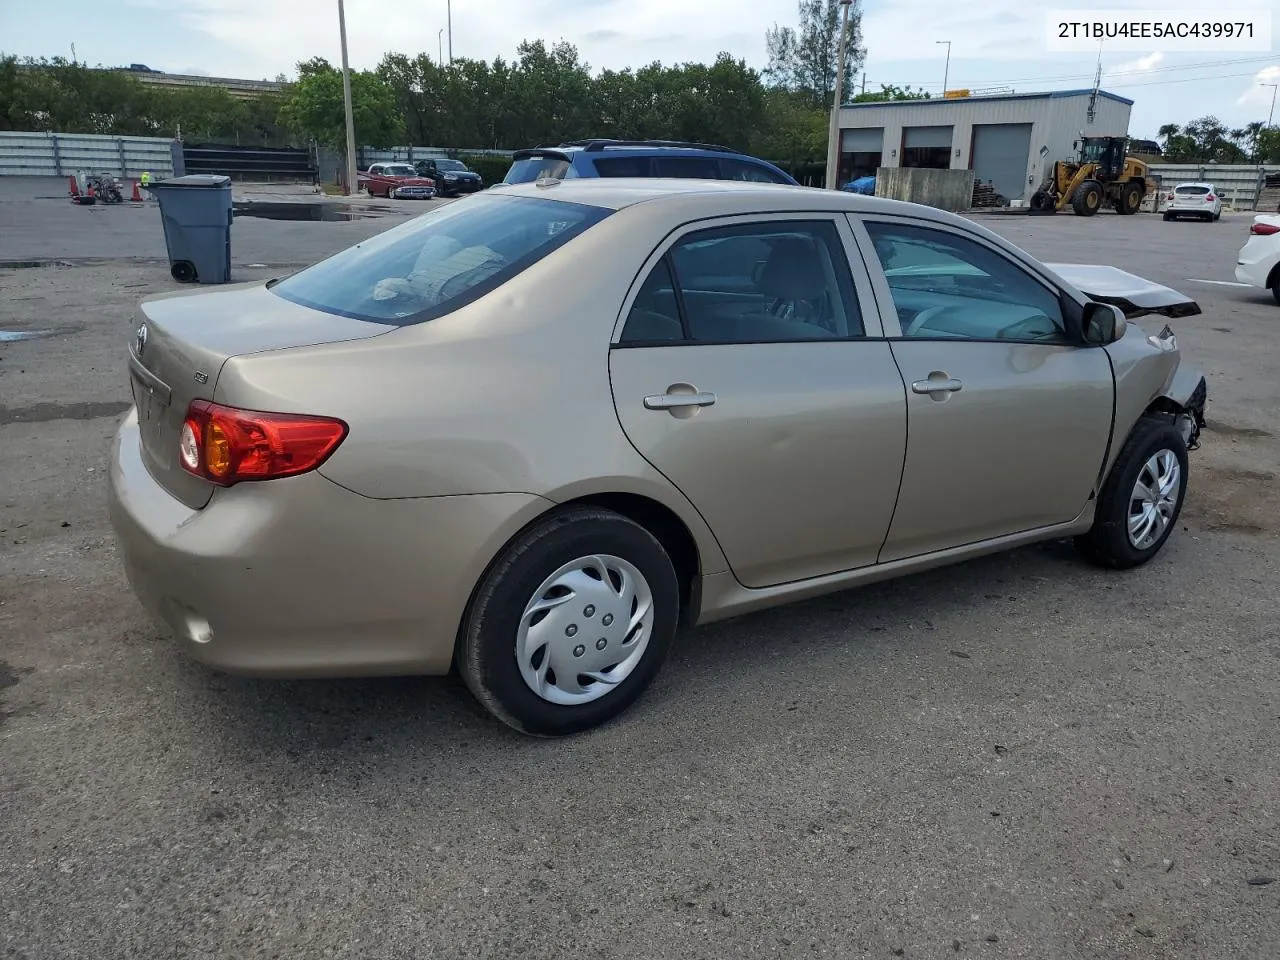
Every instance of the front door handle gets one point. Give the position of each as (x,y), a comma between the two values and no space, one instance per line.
(936,386)
(674,401)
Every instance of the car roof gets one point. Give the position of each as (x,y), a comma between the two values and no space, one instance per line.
(735,196)
(1193,183)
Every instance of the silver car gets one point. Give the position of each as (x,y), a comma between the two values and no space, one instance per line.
(531,432)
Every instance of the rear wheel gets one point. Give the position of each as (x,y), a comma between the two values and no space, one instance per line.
(1141,499)
(1041,202)
(184,271)
(571,623)
(1275,286)
(1087,198)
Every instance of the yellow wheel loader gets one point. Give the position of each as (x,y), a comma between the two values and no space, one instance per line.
(1100,173)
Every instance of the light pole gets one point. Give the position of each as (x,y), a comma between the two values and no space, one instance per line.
(352,182)
(833,130)
(440,45)
(946,70)
(448,11)
(1272,113)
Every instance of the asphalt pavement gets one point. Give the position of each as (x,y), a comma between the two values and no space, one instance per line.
(1021,756)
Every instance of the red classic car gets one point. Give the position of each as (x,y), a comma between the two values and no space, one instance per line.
(392,180)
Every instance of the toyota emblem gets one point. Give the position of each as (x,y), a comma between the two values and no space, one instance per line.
(140,339)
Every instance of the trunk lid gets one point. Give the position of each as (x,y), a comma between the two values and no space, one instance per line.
(178,349)
(1134,295)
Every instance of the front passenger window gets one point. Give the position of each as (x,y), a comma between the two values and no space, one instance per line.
(946,286)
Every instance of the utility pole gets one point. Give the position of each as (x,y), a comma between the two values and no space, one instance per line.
(833,131)
(1272,113)
(440,46)
(352,183)
(448,8)
(946,70)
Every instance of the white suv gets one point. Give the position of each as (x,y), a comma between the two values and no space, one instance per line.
(1197,200)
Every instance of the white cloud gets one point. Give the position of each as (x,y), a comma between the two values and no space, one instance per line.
(1129,67)
(1257,93)
(265,37)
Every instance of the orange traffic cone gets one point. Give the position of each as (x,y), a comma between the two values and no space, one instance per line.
(137,194)
(75,189)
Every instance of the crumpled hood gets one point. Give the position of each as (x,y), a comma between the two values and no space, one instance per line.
(1136,296)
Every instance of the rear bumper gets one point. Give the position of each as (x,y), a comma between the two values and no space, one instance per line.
(302,578)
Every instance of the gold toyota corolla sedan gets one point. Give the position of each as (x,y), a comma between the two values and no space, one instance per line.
(530,432)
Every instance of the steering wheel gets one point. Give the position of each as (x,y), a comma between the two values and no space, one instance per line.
(1036,324)
(921,318)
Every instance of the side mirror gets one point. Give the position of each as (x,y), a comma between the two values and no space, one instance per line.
(1103,323)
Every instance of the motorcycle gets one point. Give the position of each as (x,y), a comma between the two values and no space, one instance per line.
(107,188)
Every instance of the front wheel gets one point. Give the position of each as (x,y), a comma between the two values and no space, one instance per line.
(1141,499)
(571,623)
(1087,198)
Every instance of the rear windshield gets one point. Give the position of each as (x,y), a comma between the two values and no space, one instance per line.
(536,168)
(1192,191)
(441,261)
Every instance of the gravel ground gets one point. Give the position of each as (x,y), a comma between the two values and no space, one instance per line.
(1015,757)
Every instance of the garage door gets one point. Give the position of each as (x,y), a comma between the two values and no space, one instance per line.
(1001,152)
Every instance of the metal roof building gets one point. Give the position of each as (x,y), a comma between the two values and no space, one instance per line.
(1008,140)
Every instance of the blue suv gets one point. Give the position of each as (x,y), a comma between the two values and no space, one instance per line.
(640,158)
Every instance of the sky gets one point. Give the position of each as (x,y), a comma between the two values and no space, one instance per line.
(998,43)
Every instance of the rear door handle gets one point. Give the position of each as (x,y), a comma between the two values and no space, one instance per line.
(674,401)
(933,387)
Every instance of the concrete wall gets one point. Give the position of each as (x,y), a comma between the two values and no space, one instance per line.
(25,154)
(945,189)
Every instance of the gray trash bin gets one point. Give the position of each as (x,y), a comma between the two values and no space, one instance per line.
(196,213)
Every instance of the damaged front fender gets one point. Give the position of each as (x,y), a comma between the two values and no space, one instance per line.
(1152,377)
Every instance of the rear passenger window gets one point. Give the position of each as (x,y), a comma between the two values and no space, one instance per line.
(687,168)
(655,315)
(623,167)
(771,282)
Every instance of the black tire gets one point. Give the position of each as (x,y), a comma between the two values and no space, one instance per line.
(486,654)
(1107,543)
(1087,199)
(1130,201)
(1275,287)
(1041,202)
(184,271)
(1168,217)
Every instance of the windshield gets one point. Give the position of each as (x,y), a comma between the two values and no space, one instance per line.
(399,170)
(441,261)
(450,165)
(535,168)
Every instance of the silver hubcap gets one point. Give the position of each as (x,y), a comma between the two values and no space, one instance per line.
(1154,499)
(585,629)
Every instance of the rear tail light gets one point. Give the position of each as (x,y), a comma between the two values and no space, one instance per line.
(226,445)
(1210,198)
(1264,229)
(1169,197)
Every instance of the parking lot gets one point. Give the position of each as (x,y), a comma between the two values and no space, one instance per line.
(1020,756)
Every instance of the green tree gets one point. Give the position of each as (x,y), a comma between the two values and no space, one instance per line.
(314,108)
(803,58)
(889,91)
(1267,146)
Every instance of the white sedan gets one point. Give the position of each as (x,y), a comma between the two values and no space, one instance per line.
(1258,263)
(1199,200)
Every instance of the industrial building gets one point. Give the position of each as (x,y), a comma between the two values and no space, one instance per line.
(1007,140)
